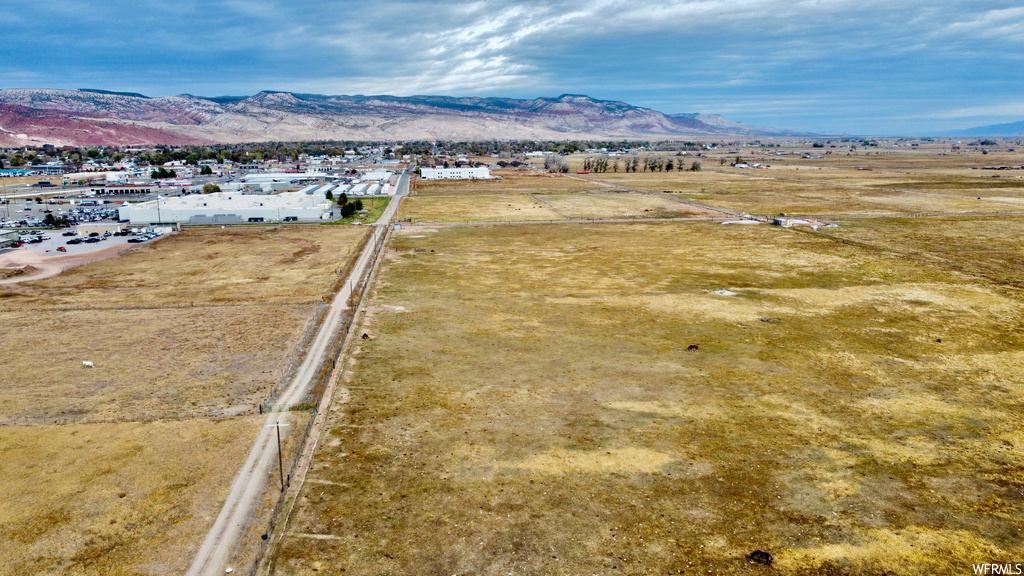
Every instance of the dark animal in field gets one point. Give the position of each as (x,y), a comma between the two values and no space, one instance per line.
(760,557)
(366,336)
(692,348)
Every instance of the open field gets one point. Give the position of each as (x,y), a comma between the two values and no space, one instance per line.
(480,207)
(504,199)
(203,266)
(770,191)
(119,498)
(983,248)
(608,205)
(121,468)
(504,182)
(873,183)
(537,197)
(926,179)
(150,364)
(526,404)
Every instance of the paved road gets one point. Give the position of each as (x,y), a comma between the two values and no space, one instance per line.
(248,486)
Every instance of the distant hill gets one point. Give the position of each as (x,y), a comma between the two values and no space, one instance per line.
(999,130)
(118,118)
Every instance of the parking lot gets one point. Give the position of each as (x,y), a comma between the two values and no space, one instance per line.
(57,240)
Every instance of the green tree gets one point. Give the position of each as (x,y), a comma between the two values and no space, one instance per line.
(206,171)
(358,204)
(210,188)
(50,221)
(695,167)
(343,198)
(329,195)
(92,153)
(161,173)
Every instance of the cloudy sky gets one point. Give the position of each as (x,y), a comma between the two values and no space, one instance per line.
(852,66)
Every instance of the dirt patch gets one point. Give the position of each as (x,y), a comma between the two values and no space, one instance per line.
(25,270)
(44,266)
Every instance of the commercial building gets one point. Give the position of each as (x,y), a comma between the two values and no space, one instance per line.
(8,238)
(231,208)
(454,173)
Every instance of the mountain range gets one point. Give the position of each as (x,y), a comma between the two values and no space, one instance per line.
(88,117)
(998,130)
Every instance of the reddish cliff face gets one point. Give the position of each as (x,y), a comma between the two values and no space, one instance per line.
(64,117)
(20,126)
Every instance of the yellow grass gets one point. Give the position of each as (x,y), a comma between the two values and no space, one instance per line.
(475,208)
(108,499)
(605,205)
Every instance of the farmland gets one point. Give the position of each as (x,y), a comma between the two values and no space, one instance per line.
(120,469)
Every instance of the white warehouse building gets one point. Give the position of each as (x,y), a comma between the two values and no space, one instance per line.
(231,208)
(455,173)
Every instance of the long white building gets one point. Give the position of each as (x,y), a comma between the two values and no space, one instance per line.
(231,208)
(455,173)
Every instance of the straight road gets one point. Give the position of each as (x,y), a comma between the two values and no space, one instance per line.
(248,486)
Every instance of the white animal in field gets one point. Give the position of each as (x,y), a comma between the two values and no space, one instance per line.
(87,364)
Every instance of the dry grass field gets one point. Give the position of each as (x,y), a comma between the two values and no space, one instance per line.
(982,248)
(874,182)
(119,498)
(479,207)
(120,469)
(526,404)
(504,182)
(772,191)
(612,205)
(519,197)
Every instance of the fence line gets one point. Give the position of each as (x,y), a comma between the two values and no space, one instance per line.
(314,397)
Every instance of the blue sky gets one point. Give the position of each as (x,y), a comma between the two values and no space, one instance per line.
(895,67)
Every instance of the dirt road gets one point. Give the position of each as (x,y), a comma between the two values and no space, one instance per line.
(247,487)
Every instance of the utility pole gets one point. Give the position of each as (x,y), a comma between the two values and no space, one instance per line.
(280,458)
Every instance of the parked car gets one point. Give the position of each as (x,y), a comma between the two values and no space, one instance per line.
(74,241)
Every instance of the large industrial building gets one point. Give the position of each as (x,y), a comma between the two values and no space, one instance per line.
(308,205)
(454,173)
